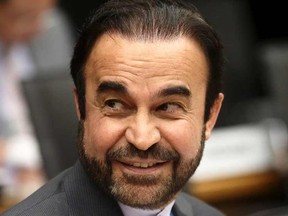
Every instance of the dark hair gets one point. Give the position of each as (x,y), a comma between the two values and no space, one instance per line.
(148,20)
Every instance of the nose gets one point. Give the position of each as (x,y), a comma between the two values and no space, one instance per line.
(142,132)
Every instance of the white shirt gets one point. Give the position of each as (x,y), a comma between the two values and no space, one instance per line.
(129,211)
(15,127)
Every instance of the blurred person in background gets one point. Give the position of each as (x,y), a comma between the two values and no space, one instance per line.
(35,38)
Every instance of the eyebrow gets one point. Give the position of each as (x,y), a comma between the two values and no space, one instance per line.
(175,90)
(106,86)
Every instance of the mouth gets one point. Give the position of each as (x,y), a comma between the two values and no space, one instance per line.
(140,167)
(143,164)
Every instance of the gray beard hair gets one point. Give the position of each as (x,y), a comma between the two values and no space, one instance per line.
(120,188)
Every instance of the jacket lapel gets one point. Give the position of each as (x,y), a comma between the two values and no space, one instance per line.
(182,207)
(85,198)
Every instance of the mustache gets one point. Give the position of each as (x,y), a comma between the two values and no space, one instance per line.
(156,151)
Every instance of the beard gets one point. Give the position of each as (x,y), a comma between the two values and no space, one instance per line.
(144,191)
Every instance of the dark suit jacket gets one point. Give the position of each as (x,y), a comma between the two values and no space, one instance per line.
(73,193)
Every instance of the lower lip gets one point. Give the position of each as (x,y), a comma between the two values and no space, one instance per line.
(157,169)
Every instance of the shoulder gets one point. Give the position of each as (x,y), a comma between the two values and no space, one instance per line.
(47,201)
(188,205)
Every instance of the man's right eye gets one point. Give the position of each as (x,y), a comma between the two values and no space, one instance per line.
(114,105)
(116,108)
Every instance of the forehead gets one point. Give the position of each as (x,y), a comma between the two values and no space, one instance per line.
(115,55)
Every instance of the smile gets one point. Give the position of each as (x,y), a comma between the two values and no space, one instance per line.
(143,165)
(138,167)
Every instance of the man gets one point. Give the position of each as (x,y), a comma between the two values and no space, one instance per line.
(39,26)
(147,77)
(35,39)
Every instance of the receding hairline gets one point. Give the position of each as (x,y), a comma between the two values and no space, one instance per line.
(134,38)
(194,47)
(115,34)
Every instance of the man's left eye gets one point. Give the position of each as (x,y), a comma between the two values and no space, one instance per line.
(169,107)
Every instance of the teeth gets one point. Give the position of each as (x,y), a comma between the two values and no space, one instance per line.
(143,165)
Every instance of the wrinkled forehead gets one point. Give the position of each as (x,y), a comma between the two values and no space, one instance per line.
(117,55)
(112,46)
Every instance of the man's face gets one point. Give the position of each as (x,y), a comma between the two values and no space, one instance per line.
(143,134)
(20,20)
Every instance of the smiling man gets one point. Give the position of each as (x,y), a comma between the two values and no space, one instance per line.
(147,77)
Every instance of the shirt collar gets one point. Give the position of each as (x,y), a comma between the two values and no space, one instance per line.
(130,211)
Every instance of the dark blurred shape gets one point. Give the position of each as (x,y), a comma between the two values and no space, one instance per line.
(269,19)
(280,211)
(78,11)
(50,99)
(232,19)
(274,60)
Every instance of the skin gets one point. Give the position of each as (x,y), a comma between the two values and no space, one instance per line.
(20,20)
(144,117)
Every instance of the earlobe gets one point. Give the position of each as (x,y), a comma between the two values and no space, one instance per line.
(76,101)
(214,112)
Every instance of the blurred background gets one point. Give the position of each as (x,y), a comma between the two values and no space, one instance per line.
(245,166)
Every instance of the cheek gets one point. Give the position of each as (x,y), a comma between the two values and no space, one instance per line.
(184,137)
(100,135)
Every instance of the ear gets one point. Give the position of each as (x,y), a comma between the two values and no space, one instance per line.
(214,112)
(76,101)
